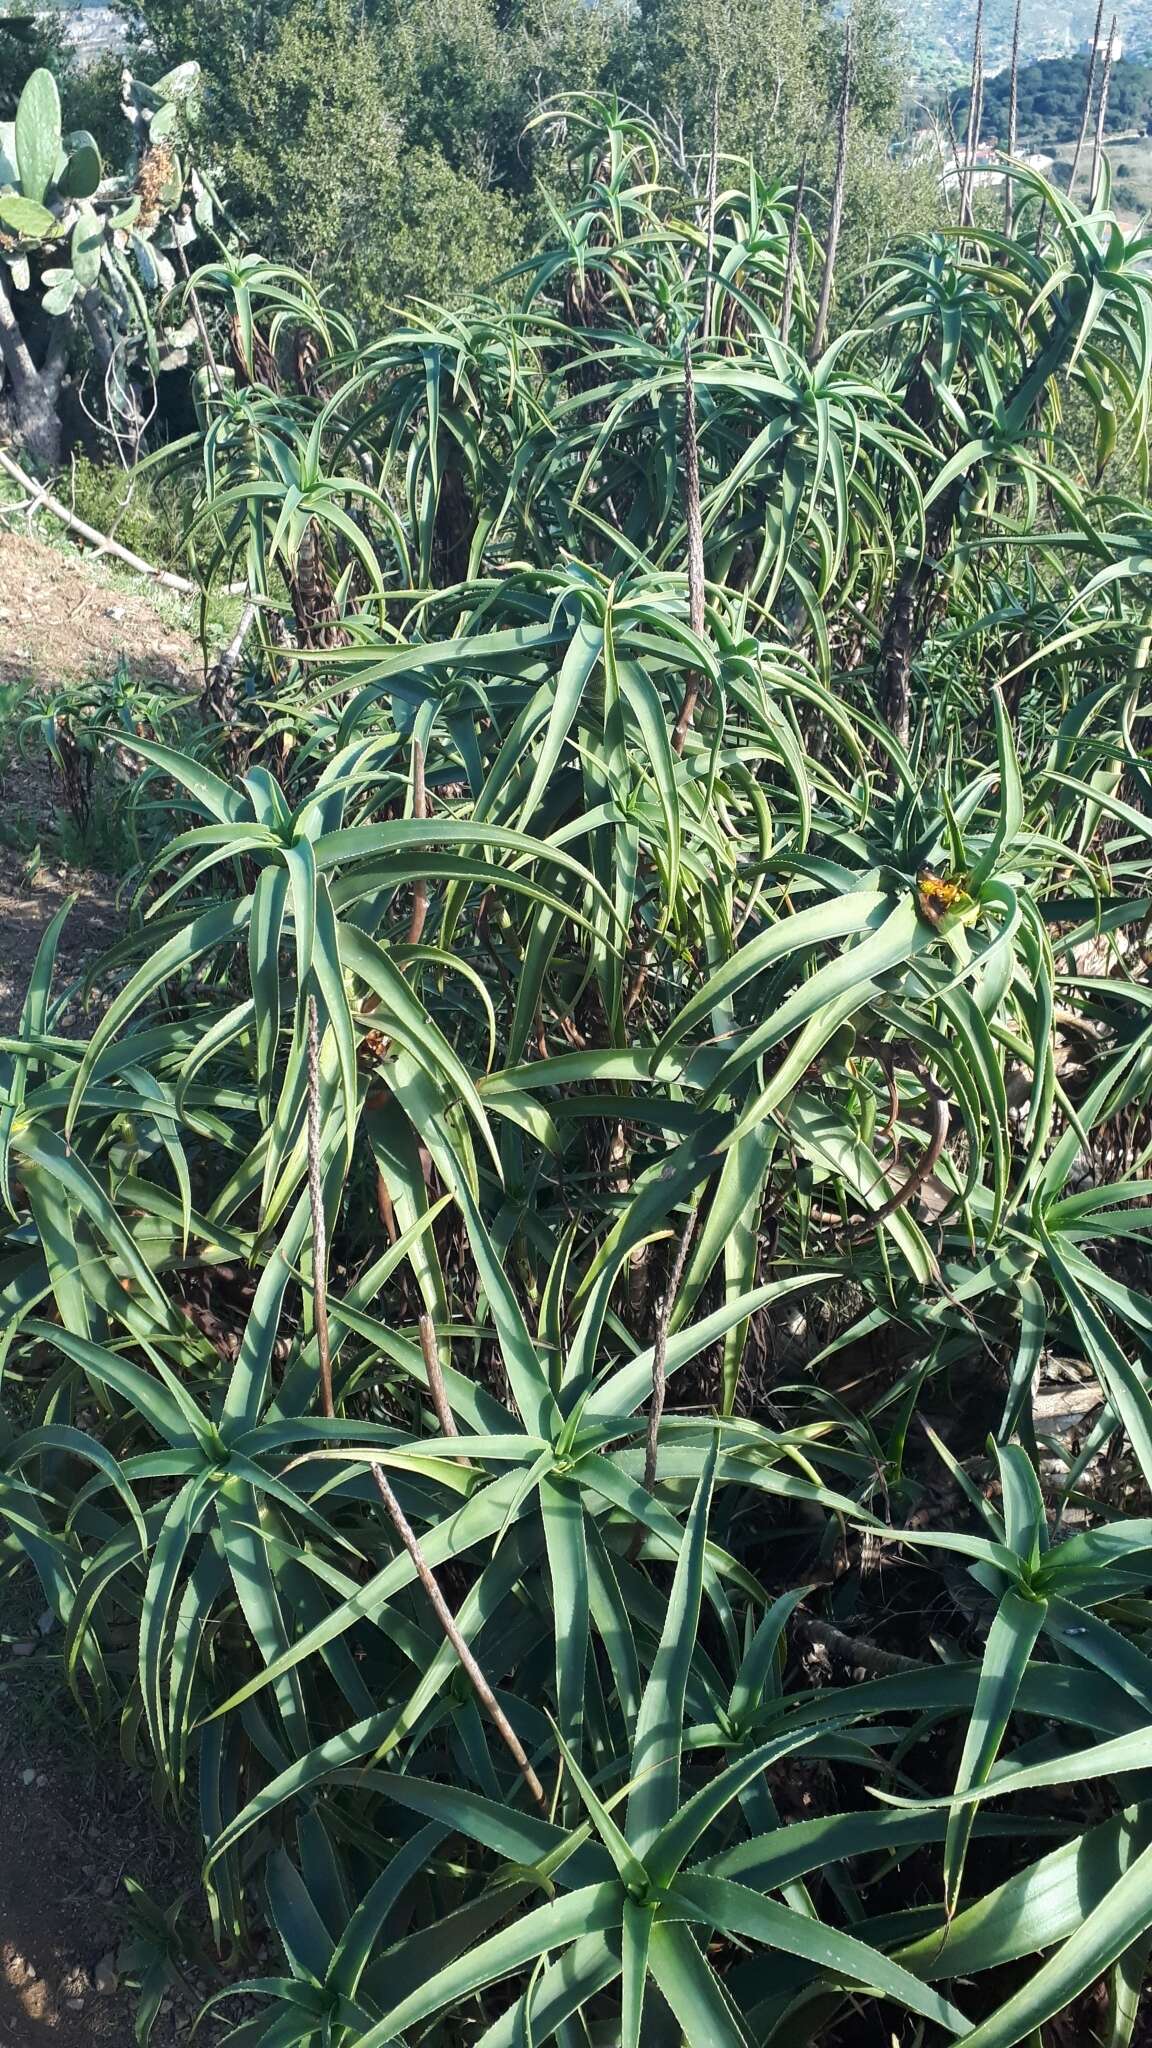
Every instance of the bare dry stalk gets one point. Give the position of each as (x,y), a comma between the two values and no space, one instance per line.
(447,1620)
(710,244)
(436,1387)
(793,257)
(198,317)
(660,1352)
(316,1204)
(695,547)
(416,923)
(820,330)
(217,694)
(1101,112)
(975,96)
(1086,112)
(419,810)
(1013,117)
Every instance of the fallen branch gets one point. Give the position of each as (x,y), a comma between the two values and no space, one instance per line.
(856,1652)
(101,541)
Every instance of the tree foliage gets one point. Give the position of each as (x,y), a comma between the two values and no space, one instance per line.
(1051,100)
(396,139)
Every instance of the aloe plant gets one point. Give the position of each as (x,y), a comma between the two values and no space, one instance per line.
(695,1105)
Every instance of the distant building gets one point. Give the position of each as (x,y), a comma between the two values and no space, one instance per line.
(1105,46)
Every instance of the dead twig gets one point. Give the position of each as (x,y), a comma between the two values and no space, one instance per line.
(710,243)
(975,99)
(1101,114)
(416,923)
(419,810)
(793,256)
(939,1113)
(1086,111)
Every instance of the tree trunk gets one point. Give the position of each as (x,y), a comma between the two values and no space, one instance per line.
(34,391)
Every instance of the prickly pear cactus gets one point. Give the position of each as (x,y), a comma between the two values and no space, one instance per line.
(80,243)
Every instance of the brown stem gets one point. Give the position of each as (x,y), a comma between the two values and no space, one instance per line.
(937,1137)
(316,1204)
(198,317)
(710,245)
(820,330)
(447,1620)
(416,923)
(974,97)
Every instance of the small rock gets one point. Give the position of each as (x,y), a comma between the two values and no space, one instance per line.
(105,1977)
(46,1622)
(27,1777)
(40,1778)
(114,611)
(23,1649)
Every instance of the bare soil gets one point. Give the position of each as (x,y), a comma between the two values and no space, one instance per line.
(27,903)
(62,620)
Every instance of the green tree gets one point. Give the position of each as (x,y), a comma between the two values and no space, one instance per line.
(308,145)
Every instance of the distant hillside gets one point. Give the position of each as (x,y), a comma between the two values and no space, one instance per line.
(1051,100)
(939,32)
